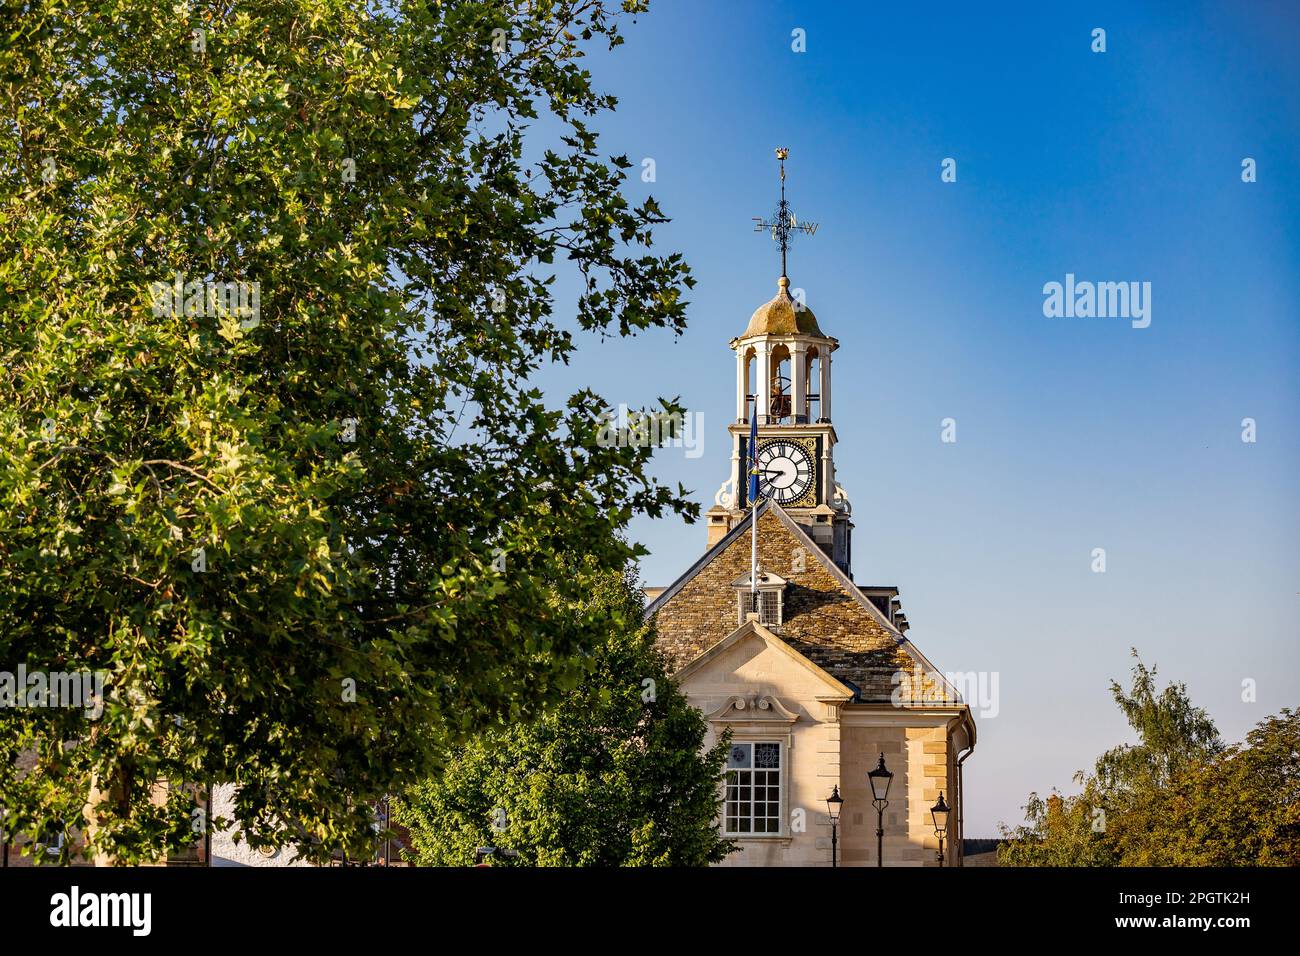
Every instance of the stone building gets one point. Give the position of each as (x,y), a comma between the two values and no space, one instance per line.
(812,673)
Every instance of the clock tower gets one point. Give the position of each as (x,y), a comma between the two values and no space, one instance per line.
(783,378)
(811,675)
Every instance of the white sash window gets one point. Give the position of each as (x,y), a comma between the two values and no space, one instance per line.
(752,803)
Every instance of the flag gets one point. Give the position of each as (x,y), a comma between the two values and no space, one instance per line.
(753,455)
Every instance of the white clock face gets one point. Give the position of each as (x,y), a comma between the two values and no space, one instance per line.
(785,471)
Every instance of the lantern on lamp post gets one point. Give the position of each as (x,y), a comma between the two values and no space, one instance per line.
(939,814)
(880,779)
(833,805)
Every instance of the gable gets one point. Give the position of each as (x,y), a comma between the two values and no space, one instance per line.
(827,619)
(753,657)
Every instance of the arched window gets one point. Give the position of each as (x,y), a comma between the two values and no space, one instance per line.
(779,390)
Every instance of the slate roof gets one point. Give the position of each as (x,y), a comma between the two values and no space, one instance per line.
(827,618)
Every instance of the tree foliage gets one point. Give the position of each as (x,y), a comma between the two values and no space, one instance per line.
(239,518)
(1241,808)
(1178,797)
(613,776)
(1173,736)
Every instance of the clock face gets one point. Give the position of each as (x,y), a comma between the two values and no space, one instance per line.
(785,471)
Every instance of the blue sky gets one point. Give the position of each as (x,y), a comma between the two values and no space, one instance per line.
(1072,433)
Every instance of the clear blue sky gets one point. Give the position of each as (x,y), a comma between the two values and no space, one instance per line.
(1073,433)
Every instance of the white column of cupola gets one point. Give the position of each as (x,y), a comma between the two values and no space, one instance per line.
(742,383)
(824,361)
(763,388)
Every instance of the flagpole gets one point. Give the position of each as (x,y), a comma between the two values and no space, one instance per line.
(753,504)
(753,558)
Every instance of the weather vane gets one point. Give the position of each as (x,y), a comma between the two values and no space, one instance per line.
(784,224)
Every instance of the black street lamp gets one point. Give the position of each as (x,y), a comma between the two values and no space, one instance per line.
(939,814)
(833,804)
(880,779)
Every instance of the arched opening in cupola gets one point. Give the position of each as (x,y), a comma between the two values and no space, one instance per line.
(780,387)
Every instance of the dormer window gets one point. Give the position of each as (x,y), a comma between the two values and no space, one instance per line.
(771,598)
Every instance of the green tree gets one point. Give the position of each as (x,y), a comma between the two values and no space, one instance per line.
(1240,808)
(1173,735)
(615,775)
(1071,830)
(1176,798)
(311,537)
(1059,831)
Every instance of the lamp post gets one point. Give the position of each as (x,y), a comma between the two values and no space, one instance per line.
(880,779)
(833,804)
(939,814)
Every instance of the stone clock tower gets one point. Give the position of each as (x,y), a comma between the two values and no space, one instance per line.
(783,375)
